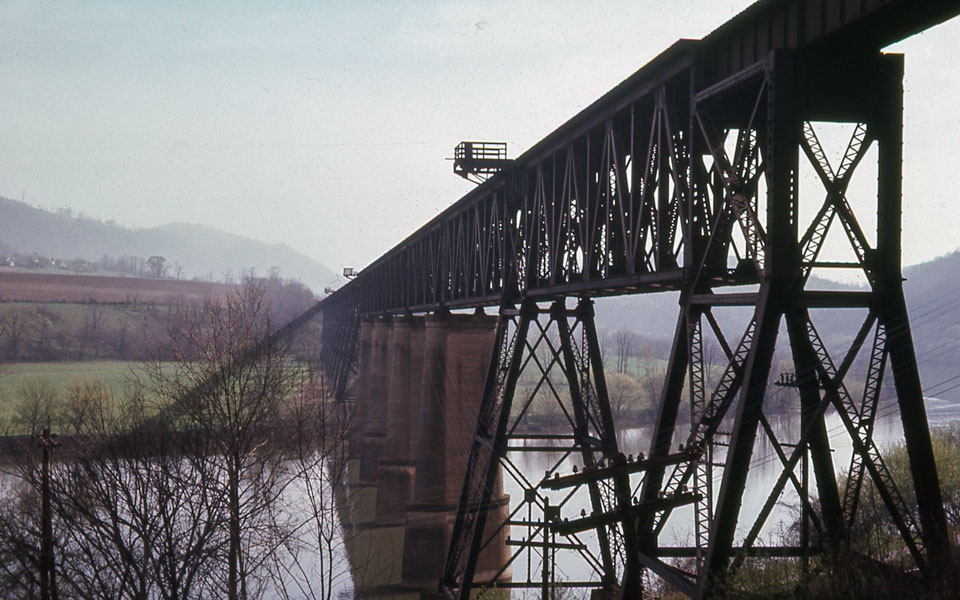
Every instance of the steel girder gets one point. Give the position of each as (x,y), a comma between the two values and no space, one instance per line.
(783,259)
(735,153)
(709,201)
(592,208)
(685,177)
(557,348)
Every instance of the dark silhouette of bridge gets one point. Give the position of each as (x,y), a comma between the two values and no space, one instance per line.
(683,178)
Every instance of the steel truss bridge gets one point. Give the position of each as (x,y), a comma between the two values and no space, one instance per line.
(685,177)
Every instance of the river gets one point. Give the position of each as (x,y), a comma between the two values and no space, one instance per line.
(765,469)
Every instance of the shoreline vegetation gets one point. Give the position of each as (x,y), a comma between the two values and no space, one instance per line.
(207,475)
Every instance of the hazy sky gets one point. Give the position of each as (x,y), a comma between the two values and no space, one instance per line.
(325,125)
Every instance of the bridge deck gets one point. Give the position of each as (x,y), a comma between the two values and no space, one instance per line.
(598,206)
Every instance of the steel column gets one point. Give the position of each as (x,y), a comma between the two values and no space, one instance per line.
(893,314)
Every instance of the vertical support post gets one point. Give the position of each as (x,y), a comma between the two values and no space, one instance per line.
(893,313)
(375,417)
(780,270)
(545,570)
(606,434)
(364,369)
(737,466)
(804,360)
(348,334)
(395,475)
(581,434)
(631,586)
(666,421)
(48,579)
(494,445)
(804,503)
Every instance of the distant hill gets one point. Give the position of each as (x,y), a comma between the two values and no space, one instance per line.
(933,301)
(932,291)
(656,314)
(201,251)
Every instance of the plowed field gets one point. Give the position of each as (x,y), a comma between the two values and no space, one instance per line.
(20,286)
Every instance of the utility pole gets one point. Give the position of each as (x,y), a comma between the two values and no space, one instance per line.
(48,579)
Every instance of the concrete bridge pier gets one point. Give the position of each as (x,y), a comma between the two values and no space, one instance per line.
(397,464)
(457,350)
(367,441)
(364,354)
(420,381)
(375,417)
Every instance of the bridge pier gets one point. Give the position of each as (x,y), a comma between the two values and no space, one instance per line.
(364,355)
(375,413)
(365,445)
(420,380)
(397,465)
(456,352)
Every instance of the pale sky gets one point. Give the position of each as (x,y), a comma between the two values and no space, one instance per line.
(325,125)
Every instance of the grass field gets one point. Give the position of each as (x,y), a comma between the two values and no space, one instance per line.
(113,373)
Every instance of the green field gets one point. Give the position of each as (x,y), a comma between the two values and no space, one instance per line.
(112,373)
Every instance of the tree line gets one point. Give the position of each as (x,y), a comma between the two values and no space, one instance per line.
(137,266)
(122,331)
(212,475)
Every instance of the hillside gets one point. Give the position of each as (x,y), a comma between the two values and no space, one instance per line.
(931,290)
(932,298)
(656,314)
(201,251)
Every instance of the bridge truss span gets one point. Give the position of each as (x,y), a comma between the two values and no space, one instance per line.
(686,177)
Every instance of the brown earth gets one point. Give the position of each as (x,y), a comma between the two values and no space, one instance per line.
(21,286)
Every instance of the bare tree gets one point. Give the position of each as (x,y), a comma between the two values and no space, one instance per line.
(14,325)
(157,265)
(230,380)
(121,333)
(624,341)
(213,476)
(713,358)
(136,515)
(42,329)
(19,541)
(80,406)
(34,406)
(312,560)
(91,334)
(627,396)
(652,381)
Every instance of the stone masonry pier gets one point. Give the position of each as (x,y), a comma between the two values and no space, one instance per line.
(420,382)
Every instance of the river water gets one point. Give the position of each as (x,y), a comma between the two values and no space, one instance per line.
(570,565)
(765,469)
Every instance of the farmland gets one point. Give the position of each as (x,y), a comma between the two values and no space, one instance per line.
(112,373)
(58,330)
(26,286)
(57,317)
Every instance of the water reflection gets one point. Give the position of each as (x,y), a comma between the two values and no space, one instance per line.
(530,467)
(765,470)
